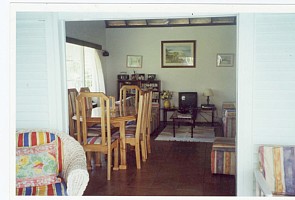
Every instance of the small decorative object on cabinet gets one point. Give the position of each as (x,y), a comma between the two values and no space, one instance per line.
(123,76)
(166,95)
(151,77)
(166,104)
(141,77)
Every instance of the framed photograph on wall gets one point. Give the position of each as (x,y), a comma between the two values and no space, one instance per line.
(225,60)
(134,61)
(178,54)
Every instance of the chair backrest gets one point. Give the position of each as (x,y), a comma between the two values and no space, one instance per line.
(88,100)
(85,116)
(149,109)
(112,103)
(141,114)
(125,100)
(277,164)
(72,94)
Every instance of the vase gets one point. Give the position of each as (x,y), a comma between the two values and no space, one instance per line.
(166,103)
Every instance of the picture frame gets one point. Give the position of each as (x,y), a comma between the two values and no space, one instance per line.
(225,60)
(134,61)
(141,77)
(178,54)
(151,77)
(134,77)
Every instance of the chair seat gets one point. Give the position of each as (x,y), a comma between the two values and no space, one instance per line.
(97,140)
(95,130)
(130,129)
(132,122)
(56,189)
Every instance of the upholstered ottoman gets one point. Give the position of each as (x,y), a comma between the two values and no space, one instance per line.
(223,156)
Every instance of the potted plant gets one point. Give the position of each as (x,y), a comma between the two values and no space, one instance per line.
(166,95)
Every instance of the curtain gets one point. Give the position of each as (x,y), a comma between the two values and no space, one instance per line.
(84,68)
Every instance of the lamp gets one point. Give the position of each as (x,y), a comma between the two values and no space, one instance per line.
(208,93)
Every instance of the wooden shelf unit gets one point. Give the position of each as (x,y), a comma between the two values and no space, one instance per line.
(155,85)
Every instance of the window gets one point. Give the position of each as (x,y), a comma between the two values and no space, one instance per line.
(84,68)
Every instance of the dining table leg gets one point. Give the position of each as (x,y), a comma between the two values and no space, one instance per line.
(123,164)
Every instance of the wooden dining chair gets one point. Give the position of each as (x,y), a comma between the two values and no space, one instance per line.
(104,143)
(129,96)
(88,100)
(72,94)
(135,134)
(149,121)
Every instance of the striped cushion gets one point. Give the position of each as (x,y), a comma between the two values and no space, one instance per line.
(132,122)
(223,156)
(223,162)
(28,139)
(130,129)
(36,165)
(277,164)
(229,125)
(97,140)
(57,189)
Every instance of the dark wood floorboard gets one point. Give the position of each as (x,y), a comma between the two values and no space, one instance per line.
(172,169)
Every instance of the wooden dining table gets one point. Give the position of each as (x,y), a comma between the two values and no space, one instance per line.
(118,119)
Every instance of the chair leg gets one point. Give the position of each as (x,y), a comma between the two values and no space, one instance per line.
(109,165)
(143,150)
(88,158)
(137,154)
(148,141)
(98,159)
(121,151)
(116,157)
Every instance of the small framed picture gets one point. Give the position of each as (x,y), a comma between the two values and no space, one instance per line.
(141,77)
(151,77)
(134,61)
(134,77)
(225,60)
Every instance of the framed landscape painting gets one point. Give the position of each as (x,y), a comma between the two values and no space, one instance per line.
(178,54)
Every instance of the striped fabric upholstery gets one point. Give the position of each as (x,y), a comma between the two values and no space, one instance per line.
(229,119)
(97,140)
(229,123)
(223,156)
(27,139)
(57,189)
(277,164)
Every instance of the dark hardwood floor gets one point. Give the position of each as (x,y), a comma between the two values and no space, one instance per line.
(172,169)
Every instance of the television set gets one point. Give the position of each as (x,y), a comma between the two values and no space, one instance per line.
(187,101)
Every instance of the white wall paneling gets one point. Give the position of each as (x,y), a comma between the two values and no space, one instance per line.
(245,68)
(266,94)
(38,72)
